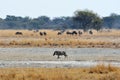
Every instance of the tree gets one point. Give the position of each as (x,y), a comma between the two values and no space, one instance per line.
(87,20)
(43,19)
(112,21)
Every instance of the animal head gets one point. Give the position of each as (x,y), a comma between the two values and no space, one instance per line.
(65,54)
(54,53)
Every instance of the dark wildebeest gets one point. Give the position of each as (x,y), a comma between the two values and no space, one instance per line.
(69,33)
(41,34)
(90,32)
(18,33)
(44,33)
(59,53)
(35,31)
(74,33)
(59,33)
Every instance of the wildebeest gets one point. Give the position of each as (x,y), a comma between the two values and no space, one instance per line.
(18,33)
(90,32)
(79,32)
(59,53)
(59,33)
(71,33)
(74,33)
(43,33)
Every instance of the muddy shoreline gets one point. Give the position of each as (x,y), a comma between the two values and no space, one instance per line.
(43,57)
(54,64)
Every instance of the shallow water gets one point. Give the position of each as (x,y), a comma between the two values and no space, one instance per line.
(42,57)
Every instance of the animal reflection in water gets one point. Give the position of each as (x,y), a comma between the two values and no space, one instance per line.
(60,53)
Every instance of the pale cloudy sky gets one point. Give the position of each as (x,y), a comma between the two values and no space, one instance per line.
(56,8)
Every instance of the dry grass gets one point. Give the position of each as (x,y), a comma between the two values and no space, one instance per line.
(60,43)
(33,39)
(100,72)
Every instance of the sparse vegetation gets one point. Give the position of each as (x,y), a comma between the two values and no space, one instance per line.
(33,39)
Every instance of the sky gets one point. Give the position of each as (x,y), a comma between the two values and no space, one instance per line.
(57,8)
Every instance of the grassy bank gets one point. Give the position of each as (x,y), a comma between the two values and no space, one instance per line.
(108,39)
(99,72)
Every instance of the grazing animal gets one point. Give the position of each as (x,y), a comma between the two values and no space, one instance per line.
(74,33)
(90,32)
(18,33)
(79,32)
(59,53)
(41,34)
(59,33)
(44,33)
(71,33)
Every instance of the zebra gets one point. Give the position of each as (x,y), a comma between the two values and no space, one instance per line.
(59,53)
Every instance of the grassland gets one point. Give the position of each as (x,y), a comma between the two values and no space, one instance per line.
(109,39)
(99,72)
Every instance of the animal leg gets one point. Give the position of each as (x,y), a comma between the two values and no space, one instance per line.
(58,57)
(65,56)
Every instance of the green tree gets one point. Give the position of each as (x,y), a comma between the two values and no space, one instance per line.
(43,19)
(112,21)
(87,20)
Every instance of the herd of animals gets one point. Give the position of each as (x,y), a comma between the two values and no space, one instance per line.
(58,33)
(59,53)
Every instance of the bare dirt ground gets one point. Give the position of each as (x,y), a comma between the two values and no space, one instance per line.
(43,57)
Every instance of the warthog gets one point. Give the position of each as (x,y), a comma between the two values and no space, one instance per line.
(60,53)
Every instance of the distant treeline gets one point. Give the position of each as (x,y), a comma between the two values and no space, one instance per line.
(78,21)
